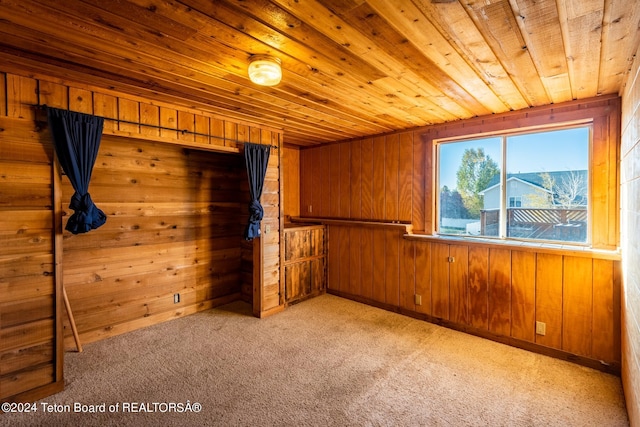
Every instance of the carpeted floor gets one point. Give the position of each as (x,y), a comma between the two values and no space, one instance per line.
(324,362)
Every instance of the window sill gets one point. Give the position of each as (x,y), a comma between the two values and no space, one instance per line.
(553,248)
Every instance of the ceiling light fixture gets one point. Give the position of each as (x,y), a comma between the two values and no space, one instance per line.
(265,70)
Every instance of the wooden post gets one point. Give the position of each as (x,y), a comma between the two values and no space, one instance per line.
(67,306)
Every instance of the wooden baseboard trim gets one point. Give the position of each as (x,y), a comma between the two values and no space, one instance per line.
(304,298)
(112,330)
(611,368)
(270,312)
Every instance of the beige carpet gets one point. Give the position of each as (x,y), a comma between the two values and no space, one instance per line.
(324,362)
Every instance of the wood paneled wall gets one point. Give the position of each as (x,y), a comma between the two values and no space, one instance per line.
(499,292)
(630,223)
(391,177)
(372,179)
(269,297)
(291,181)
(29,277)
(175,218)
(490,290)
(304,262)
(175,194)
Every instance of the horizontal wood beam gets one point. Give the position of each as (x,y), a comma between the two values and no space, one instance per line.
(348,222)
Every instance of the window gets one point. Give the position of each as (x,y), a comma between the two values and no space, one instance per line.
(530,185)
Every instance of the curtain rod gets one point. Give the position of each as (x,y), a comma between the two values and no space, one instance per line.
(182,131)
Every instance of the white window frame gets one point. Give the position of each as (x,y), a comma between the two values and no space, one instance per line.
(517,202)
(504,135)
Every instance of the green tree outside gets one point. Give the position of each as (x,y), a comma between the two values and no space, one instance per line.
(451,204)
(474,174)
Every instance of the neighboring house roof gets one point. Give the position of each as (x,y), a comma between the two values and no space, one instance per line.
(536,179)
(514,178)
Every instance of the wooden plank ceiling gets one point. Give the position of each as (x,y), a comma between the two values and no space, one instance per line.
(350,67)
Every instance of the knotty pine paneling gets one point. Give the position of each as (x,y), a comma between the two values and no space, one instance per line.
(216,130)
(176,218)
(231,132)
(106,106)
(186,122)
(22,94)
(81,100)
(16,360)
(175,223)
(28,288)
(168,121)
(271,290)
(52,94)
(496,292)
(128,111)
(150,115)
(201,127)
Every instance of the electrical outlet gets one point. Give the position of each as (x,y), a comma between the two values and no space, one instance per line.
(418,299)
(267,229)
(541,328)
(176,298)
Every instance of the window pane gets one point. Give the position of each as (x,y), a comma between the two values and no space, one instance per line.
(466,170)
(548,173)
